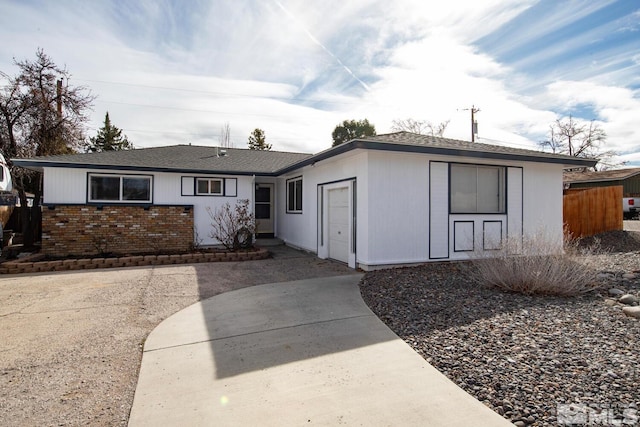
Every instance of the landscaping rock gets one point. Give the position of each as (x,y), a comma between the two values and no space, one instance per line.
(628,299)
(615,292)
(629,276)
(520,355)
(632,311)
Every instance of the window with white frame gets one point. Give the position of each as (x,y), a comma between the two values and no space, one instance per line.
(209,187)
(477,189)
(294,195)
(119,188)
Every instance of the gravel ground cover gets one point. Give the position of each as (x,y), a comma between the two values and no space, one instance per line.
(523,356)
(71,343)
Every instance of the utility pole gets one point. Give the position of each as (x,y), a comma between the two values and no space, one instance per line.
(474,123)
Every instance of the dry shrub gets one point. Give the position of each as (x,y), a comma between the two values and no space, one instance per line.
(233,227)
(537,265)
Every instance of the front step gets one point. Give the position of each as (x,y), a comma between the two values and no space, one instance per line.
(273,241)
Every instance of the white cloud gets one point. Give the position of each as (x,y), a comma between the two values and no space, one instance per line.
(616,107)
(172,73)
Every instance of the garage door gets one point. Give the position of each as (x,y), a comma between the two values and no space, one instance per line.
(339,224)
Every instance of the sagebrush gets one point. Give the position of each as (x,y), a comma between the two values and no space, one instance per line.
(537,264)
(233,227)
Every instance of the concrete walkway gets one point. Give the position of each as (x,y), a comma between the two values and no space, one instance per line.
(308,352)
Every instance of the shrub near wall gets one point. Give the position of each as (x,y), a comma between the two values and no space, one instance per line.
(91,230)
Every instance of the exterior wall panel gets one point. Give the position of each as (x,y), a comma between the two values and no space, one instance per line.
(69,186)
(301,229)
(439,210)
(542,205)
(398,208)
(65,186)
(514,207)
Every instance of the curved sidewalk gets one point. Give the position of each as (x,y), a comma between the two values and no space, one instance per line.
(308,352)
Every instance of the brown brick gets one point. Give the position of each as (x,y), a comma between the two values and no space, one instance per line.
(79,229)
(54,264)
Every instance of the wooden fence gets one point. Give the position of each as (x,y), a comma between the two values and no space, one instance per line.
(589,211)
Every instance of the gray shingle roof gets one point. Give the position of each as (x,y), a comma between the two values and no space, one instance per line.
(610,175)
(199,159)
(434,142)
(178,158)
(411,142)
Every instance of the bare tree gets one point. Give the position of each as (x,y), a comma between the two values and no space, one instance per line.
(40,115)
(225,136)
(580,139)
(421,127)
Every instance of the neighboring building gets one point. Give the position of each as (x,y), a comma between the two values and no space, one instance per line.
(7,195)
(629,179)
(386,200)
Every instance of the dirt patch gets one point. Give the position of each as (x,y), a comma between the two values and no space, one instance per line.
(72,342)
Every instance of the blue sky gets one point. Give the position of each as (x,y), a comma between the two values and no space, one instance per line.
(174,72)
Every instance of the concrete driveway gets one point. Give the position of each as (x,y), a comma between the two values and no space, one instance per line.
(308,352)
(71,343)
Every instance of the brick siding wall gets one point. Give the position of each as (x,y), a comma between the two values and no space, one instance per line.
(88,230)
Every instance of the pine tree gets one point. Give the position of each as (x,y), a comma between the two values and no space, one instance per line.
(109,138)
(257,140)
(352,129)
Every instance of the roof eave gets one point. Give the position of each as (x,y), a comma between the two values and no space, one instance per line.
(385,146)
(39,165)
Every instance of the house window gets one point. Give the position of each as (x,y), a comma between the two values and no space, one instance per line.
(477,189)
(294,195)
(208,186)
(119,188)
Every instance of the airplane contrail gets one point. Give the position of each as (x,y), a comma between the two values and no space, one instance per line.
(316,41)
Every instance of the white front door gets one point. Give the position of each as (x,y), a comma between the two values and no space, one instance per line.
(339,224)
(263,210)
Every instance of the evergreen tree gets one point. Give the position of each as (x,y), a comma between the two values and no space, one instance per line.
(109,138)
(257,140)
(352,129)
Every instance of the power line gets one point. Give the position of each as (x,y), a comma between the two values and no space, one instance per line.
(185,133)
(229,94)
(164,107)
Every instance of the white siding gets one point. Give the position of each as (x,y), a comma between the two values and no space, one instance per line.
(398,208)
(69,186)
(439,210)
(514,208)
(394,214)
(543,201)
(301,230)
(393,211)
(65,186)
(168,190)
(473,233)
